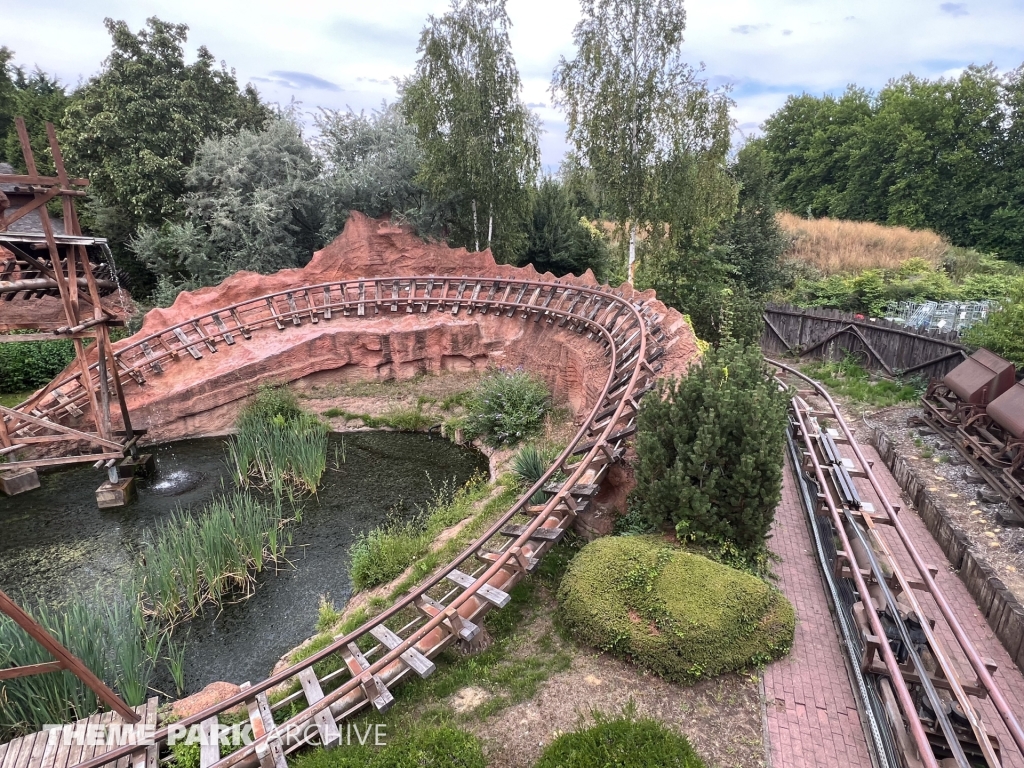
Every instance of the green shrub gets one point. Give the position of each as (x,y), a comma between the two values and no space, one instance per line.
(710,451)
(28,365)
(415,747)
(529,464)
(1003,331)
(622,742)
(681,615)
(386,551)
(507,407)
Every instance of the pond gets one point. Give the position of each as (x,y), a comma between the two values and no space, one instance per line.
(55,542)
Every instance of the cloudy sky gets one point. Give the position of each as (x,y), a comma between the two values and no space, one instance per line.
(345,54)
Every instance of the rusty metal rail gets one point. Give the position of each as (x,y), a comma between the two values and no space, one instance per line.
(919,687)
(448,606)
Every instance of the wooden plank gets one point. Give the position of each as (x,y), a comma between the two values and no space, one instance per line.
(541,534)
(24,754)
(361,310)
(243,329)
(458,297)
(419,663)
(198,327)
(493,595)
(472,299)
(270,752)
(374,689)
(329,734)
(209,747)
(312,307)
(293,309)
(190,348)
(274,314)
(224,332)
(454,623)
(426,296)
(327,302)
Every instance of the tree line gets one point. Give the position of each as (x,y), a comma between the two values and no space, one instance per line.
(945,154)
(194,176)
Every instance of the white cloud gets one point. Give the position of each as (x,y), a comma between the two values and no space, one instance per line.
(768,48)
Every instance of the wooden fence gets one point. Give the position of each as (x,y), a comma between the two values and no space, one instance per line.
(878,345)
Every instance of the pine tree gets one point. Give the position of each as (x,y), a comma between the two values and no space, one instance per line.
(710,451)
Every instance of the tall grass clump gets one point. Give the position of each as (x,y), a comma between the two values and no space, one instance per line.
(278,445)
(385,552)
(111,637)
(834,246)
(529,465)
(507,407)
(188,561)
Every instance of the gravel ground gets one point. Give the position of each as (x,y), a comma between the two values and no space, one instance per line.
(1000,545)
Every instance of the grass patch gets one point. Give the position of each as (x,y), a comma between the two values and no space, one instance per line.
(848,379)
(383,553)
(11,399)
(622,742)
(418,747)
(681,615)
(399,419)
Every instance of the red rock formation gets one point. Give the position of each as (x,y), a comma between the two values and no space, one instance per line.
(202,397)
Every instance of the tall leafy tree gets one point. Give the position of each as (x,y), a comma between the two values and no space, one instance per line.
(479,139)
(640,116)
(251,203)
(753,240)
(371,163)
(134,129)
(40,99)
(7,93)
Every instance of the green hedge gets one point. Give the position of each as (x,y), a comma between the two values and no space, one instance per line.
(623,742)
(29,365)
(678,614)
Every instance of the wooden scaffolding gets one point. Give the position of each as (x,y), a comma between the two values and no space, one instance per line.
(51,284)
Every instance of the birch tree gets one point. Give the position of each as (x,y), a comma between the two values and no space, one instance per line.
(479,139)
(638,115)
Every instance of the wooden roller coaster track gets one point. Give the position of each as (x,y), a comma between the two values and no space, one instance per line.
(448,607)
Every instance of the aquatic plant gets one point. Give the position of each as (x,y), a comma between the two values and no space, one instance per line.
(190,561)
(278,445)
(109,634)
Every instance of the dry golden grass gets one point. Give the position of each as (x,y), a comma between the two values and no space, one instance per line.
(834,246)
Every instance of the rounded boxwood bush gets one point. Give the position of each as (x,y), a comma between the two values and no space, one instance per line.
(678,614)
(620,743)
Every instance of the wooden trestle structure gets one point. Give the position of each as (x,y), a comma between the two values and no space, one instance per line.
(78,271)
(448,607)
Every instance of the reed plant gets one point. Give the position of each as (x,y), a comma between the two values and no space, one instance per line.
(278,446)
(110,636)
(191,561)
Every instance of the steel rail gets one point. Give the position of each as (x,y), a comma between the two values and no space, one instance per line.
(895,675)
(630,352)
(967,646)
(133,359)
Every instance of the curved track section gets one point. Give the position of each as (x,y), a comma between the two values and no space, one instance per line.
(920,681)
(448,607)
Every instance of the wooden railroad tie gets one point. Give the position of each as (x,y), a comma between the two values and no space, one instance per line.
(493,595)
(270,752)
(455,624)
(416,661)
(514,531)
(374,689)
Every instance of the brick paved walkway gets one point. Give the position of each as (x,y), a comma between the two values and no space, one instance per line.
(812,716)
